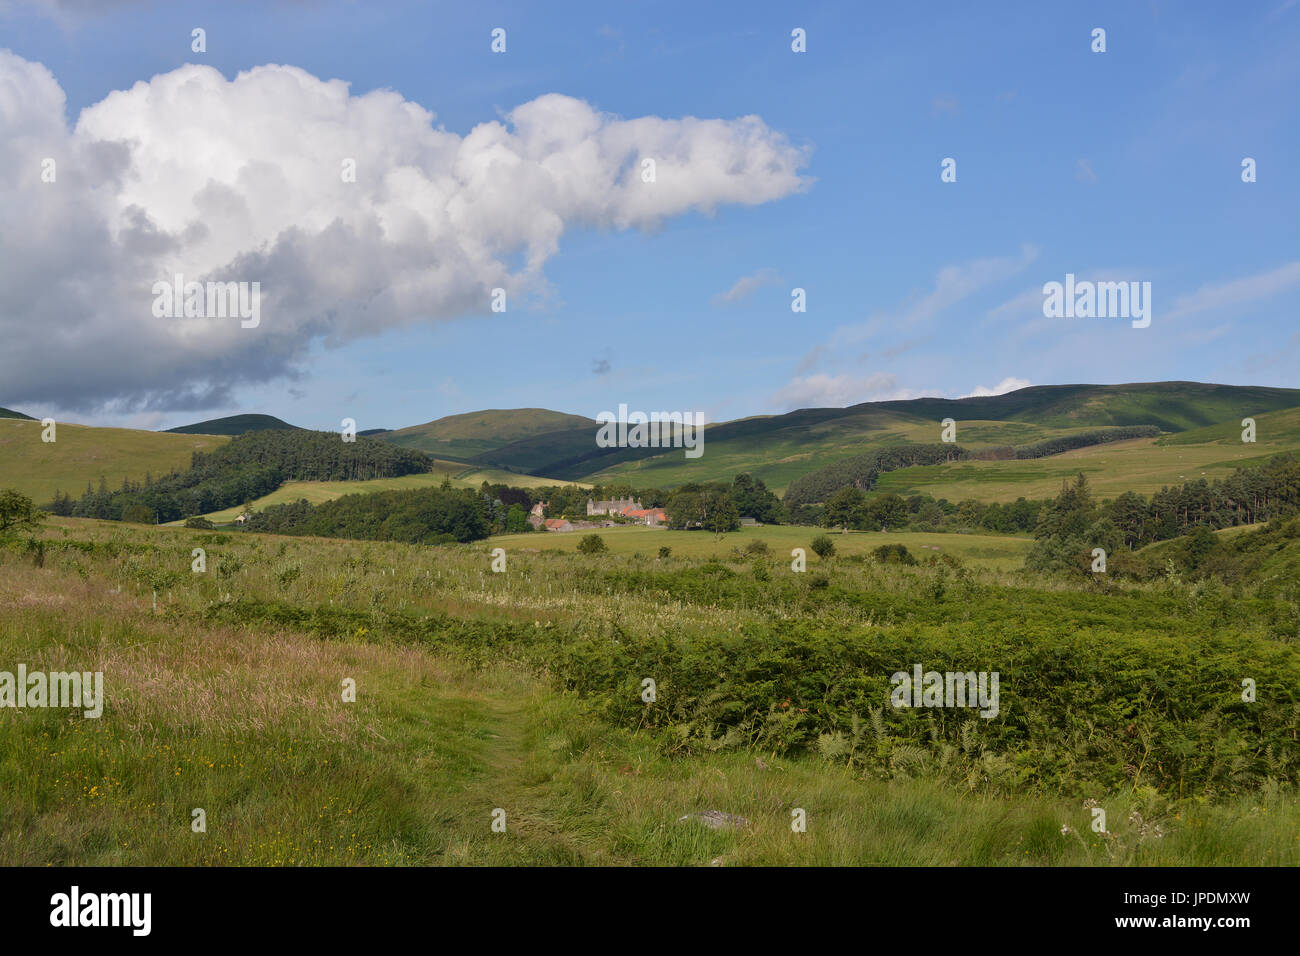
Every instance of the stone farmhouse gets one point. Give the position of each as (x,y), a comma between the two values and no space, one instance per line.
(628,508)
(614,506)
(624,507)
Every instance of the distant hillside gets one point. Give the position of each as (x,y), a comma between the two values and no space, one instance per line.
(473,434)
(1171,406)
(459,474)
(247,467)
(235,425)
(780,448)
(10,413)
(81,455)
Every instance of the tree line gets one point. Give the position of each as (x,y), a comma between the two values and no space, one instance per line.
(861,471)
(851,509)
(414,516)
(244,469)
(1074,523)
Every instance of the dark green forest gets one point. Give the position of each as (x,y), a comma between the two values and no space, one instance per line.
(248,467)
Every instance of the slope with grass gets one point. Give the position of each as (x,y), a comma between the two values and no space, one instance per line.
(473,434)
(10,413)
(82,454)
(1143,465)
(458,473)
(235,425)
(779,448)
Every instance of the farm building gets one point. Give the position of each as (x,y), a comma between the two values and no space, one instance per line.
(647,516)
(613,506)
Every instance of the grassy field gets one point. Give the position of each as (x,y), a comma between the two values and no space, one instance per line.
(81,454)
(1144,465)
(1001,552)
(478,691)
(461,476)
(779,459)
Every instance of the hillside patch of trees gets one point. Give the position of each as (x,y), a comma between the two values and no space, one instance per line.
(415,516)
(860,471)
(246,468)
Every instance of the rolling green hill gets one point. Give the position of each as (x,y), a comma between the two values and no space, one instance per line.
(531,446)
(1144,465)
(1173,406)
(10,413)
(81,454)
(474,435)
(234,425)
(780,448)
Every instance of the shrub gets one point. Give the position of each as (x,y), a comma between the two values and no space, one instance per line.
(17,511)
(760,570)
(823,546)
(757,546)
(665,552)
(592,544)
(893,554)
(198,521)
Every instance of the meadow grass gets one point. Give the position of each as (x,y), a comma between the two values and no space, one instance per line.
(243,716)
(1002,552)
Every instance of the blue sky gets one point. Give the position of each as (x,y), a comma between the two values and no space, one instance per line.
(1121,165)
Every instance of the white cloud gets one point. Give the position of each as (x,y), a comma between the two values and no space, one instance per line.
(953,284)
(1009,384)
(837,391)
(1236,293)
(746,286)
(239,180)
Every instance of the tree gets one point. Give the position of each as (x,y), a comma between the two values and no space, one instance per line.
(683,510)
(719,512)
(592,544)
(17,511)
(754,500)
(845,509)
(823,546)
(517,520)
(887,511)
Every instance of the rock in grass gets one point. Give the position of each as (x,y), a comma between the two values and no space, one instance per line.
(716,819)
